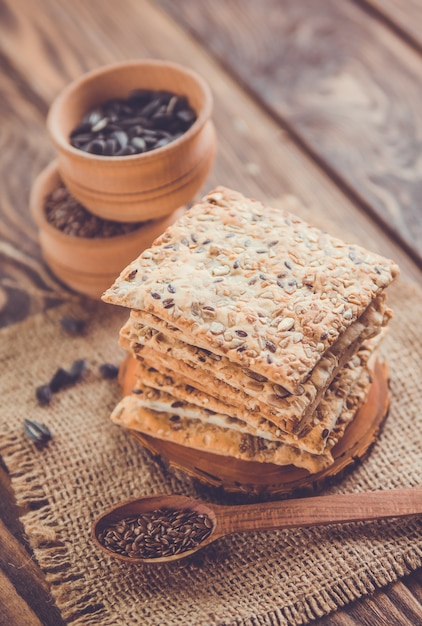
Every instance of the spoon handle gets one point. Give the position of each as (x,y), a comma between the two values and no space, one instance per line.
(319,510)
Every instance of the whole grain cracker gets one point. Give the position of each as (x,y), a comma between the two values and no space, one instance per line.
(207,382)
(208,437)
(291,413)
(178,391)
(141,324)
(231,264)
(206,408)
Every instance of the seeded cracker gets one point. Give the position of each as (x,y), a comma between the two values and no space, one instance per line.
(170,392)
(174,370)
(253,333)
(284,409)
(255,284)
(209,437)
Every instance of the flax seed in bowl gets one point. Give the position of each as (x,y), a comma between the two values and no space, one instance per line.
(135,139)
(84,251)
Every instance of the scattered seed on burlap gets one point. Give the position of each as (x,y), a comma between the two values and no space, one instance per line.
(77,370)
(155,534)
(61,378)
(65,213)
(43,394)
(72,325)
(109,370)
(37,432)
(145,121)
(65,378)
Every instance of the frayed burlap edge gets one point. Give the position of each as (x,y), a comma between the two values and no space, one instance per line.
(346,591)
(51,555)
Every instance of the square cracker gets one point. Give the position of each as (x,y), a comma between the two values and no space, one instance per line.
(256,284)
(181,390)
(208,437)
(286,411)
(154,392)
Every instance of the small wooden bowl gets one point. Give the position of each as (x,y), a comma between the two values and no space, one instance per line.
(86,264)
(141,186)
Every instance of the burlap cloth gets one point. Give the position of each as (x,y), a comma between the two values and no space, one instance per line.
(283,577)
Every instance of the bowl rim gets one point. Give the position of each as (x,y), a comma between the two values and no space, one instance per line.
(152,194)
(45,183)
(63,144)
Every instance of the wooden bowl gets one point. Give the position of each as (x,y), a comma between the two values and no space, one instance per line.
(141,186)
(265,479)
(85,264)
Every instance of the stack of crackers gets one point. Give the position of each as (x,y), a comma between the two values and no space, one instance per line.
(253,331)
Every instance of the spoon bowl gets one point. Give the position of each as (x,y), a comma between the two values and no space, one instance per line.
(186,525)
(137,507)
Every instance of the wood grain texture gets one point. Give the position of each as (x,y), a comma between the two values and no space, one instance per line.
(399,607)
(403,16)
(41,61)
(25,597)
(414,584)
(14,610)
(26,285)
(346,87)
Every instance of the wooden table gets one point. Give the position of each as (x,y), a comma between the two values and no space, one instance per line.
(321,98)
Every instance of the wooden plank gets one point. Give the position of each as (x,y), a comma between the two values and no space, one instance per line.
(23,590)
(23,39)
(24,593)
(28,593)
(403,16)
(255,155)
(398,608)
(9,513)
(396,605)
(414,584)
(408,603)
(345,86)
(14,610)
(26,285)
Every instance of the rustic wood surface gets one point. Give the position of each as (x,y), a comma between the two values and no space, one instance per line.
(319,98)
(404,17)
(336,79)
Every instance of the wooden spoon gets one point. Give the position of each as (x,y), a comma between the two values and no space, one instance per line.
(223,520)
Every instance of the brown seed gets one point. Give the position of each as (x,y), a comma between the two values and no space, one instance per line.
(280,392)
(254,375)
(166,532)
(69,216)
